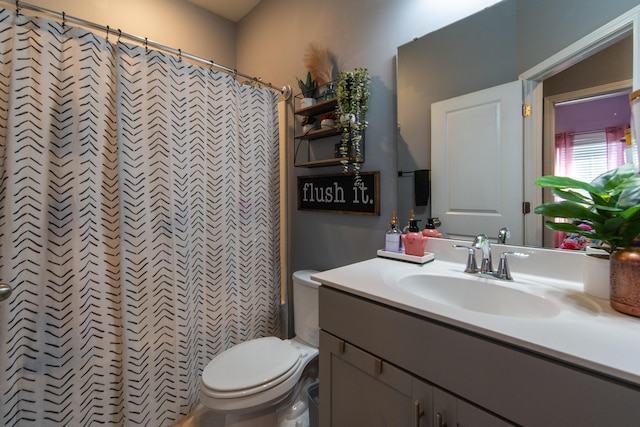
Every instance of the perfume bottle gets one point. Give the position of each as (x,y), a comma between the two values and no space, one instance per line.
(392,241)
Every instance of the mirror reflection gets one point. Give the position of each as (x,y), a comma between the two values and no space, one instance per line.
(586,101)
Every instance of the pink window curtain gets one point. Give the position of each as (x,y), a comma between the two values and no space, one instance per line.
(562,167)
(564,154)
(615,146)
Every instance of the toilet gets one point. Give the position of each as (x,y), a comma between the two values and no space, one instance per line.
(261,382)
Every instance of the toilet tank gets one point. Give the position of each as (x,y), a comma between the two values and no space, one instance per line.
(305,307)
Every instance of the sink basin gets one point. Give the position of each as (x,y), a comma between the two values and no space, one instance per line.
(479,295)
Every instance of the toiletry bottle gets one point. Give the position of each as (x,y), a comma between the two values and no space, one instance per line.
(414,241)
(392,241)
(431,229)
(405,230)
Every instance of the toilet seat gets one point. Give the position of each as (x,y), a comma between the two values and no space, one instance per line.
(268,392)
(251,367)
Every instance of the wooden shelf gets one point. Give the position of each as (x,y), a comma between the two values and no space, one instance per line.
(318,108)
(325,162)
(319,133)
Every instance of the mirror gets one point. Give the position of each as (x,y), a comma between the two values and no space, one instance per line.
(496,46)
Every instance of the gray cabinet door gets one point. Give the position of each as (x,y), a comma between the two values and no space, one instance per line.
(362,390)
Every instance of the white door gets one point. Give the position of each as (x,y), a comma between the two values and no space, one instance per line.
(477,163)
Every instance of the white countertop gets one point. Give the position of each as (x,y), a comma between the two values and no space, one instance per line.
(586,332)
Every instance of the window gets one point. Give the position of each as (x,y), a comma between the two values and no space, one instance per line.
(589,157)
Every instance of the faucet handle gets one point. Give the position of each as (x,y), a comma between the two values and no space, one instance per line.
(503,268)
(503,235)
(472,266)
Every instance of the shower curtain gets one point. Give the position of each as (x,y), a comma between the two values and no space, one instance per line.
(139,225)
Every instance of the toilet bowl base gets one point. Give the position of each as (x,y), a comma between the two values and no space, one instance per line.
(285,414)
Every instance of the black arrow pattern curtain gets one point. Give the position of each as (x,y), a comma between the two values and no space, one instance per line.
(139,226)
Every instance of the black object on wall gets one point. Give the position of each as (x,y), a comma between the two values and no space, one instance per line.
(421,186)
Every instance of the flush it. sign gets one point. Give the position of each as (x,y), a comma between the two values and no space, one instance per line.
(339,194)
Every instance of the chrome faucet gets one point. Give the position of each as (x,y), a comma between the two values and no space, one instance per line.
(486,269)
(482,242)
(503,234)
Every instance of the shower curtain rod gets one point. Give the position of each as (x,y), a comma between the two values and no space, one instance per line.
(285,91)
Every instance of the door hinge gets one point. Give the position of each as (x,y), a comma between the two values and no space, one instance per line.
(526,207)
(526,110)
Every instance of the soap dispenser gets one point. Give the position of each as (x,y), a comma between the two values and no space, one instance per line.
(392,241)
(414,241)
(431,229)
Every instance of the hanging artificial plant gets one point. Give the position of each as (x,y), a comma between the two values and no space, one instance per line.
(352,92)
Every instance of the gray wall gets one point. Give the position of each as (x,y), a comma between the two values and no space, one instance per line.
(174,23)
(365,33)
(548,26)
(362,33)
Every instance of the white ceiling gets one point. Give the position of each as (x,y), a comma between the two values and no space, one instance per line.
(233,10)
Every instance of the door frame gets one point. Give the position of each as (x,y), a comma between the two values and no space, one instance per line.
(550,126)
(610,33)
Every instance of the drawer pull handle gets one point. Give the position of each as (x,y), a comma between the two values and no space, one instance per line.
(378,366)
(440,422)
(418,412)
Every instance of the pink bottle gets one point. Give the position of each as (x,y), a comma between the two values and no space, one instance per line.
(414,241)
(431,230)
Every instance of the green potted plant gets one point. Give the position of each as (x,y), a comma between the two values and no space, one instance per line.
(352,93)
(308,123)
(610,207)
(308,89)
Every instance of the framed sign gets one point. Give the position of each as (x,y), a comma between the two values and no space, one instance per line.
(338,194)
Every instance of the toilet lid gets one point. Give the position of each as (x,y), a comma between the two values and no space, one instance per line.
(250,364)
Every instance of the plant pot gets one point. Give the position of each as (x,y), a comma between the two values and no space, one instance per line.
(348,118)
(307,128)
(327,123)
(307,102)
(595,275)
(625,281)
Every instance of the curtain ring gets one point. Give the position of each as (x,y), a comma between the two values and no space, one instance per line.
(64,19)
(119,35)
(17,7)
(180,54)
(108,32)
(146,45)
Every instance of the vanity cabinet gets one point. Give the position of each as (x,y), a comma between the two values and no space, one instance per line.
(368,391)
(380,365)
(327,137)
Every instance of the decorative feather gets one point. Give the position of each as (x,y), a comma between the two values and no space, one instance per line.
(321,63)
